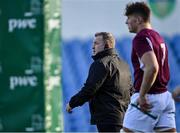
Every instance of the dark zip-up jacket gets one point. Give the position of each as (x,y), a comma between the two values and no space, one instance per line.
(107,89)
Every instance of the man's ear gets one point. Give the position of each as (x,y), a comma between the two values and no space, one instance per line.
(106,46)
(139,19)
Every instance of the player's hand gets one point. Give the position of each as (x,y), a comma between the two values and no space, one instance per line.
(68,108)
(144,105)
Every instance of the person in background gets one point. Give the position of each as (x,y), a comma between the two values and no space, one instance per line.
(176,94)
(107,88)
(152,107)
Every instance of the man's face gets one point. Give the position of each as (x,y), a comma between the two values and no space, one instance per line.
(132,23)
(98,44)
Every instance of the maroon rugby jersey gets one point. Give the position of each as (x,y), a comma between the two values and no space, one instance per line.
(149,40)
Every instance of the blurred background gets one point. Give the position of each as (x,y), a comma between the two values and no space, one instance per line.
(45,55)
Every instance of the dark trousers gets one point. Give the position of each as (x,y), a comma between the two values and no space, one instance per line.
(108,128)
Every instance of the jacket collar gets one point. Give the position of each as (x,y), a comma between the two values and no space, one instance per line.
(104,53)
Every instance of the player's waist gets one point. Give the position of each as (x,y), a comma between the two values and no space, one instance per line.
(154,90)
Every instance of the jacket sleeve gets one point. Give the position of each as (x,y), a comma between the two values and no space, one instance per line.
(96,77)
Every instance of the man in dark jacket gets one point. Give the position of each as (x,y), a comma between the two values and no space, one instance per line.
(107,87)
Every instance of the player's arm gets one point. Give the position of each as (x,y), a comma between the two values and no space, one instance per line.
(96,77)
(151,68)
(150,71)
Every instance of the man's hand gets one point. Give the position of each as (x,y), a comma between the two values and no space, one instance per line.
(144,105)
(68,108)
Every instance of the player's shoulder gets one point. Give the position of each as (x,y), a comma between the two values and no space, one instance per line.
(144,33)
(139,38)
(147,33)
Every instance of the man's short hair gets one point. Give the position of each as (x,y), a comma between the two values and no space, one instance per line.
(138,8)
(107,37)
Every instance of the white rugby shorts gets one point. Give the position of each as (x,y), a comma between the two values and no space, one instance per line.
(162,114)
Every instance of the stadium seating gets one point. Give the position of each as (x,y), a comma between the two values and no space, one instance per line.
(173,63)
(76,60)
(176,45)
(75,69)
(124,47)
